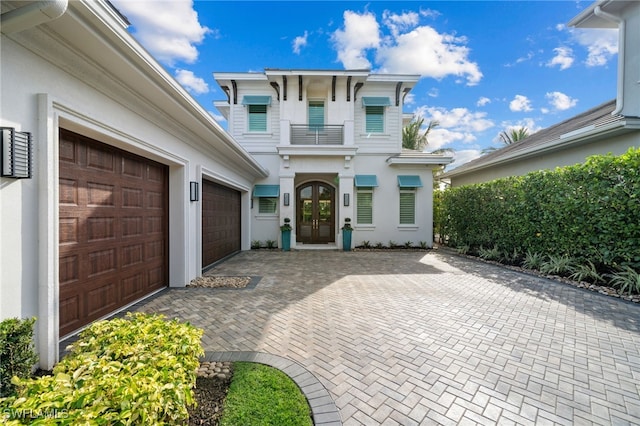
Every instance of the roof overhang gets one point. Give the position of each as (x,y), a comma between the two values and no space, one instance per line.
(568,140)
(91,38)
(420,158)
(588,18)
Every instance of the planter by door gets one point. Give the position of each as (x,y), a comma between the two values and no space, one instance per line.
(346,239)
(286,240)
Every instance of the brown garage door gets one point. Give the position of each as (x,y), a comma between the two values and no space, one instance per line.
(220,222)
(113,229)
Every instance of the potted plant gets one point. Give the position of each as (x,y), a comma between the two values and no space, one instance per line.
(347,230)
(286,234)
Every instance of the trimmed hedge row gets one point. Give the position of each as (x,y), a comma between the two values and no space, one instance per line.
(137,370)
(589,212)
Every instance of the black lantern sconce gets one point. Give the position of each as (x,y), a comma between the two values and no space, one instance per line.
(345,198)
(17,153)
(285,201)
(194,193)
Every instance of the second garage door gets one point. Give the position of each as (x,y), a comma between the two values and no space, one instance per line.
(220,222)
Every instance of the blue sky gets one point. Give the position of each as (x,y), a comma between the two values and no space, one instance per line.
(486,66)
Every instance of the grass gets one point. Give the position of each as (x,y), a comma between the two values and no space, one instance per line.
(262,395)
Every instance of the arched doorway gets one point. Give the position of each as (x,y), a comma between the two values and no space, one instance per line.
(315,207)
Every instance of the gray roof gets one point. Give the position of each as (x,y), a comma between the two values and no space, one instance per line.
(591,120)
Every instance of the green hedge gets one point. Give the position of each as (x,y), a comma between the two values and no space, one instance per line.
(17,355)
(589,212)
(137,370)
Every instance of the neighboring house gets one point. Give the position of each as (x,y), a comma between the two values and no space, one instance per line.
(332,140)
(104,215)
(612,127)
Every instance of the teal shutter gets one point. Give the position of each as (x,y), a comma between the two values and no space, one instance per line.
(316,114)
(257,118)
(375,119)
(364,207)
(407,208)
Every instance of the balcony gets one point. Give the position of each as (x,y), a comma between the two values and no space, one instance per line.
(328,134)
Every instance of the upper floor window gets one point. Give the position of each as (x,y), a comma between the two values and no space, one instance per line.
(374,113)
(257,112)
(316,114)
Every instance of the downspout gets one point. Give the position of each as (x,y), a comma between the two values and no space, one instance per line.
(31,15)
(621,41)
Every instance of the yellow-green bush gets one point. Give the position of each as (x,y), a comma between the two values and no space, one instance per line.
(137,370)
(589,212)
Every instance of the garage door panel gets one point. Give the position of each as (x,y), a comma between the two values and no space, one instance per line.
(113,229)
(220,222)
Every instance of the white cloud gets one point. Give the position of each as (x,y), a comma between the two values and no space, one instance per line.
(218,117)
(361,32)
(407,48)
(397,23)
(601,45)
(483,101)
(170,30)
(433,92)
(564,58)
(409,99)
(192,83)
(300,42)
(560,101)
(520,103)
(455,125)
(463,156)
(425,51)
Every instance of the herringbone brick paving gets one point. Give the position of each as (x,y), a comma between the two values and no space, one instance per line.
(411,338)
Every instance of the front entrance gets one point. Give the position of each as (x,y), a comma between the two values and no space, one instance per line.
(315,213)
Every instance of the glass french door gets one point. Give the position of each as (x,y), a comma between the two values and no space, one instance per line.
(315,219)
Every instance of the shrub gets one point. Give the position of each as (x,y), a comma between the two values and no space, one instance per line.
(17,356)
(271,244)
(408,244)
(490,254)
(626,279)
(255,244)
(557,265)
(136,370)
(532,260)
(379,245)
(423,245)
(366,245)
(586,272)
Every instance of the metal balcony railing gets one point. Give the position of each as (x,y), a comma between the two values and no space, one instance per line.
(328,134)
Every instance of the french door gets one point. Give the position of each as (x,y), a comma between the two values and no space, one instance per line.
(315,217)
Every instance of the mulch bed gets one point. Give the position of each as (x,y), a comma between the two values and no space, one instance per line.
(210,393)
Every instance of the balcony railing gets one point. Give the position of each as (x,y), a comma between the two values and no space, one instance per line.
(328,134)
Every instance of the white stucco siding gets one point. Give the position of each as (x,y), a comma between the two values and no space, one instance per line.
(39,97)
(239,120)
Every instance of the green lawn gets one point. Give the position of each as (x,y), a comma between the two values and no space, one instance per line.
(262,395)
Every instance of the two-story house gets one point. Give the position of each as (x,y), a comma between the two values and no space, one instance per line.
(332,141)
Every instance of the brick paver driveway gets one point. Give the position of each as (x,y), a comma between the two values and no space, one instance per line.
(428,337)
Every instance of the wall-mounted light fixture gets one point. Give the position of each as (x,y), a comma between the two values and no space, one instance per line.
(286,199)
(16,153)
(194,193)
(346,200)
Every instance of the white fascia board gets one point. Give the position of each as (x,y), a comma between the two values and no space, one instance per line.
(588,18)
(392,78)
(311,72)
(239,76)
(435,160)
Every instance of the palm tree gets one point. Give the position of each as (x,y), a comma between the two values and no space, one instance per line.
(411,136)
(509,138)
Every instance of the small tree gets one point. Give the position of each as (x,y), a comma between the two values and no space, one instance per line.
(412,138)
(509,138)
(17,356)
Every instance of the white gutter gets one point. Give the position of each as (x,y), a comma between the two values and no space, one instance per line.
(31,15)
(621,38)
